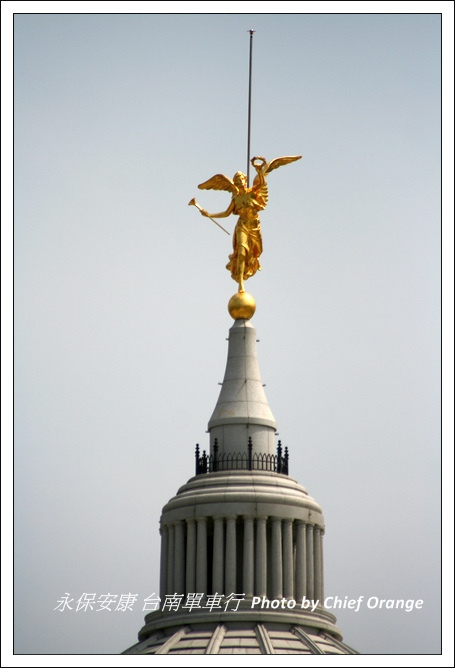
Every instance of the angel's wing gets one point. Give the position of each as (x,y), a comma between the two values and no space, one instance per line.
(219,182)
(273,164)
(279,162)
(262,193)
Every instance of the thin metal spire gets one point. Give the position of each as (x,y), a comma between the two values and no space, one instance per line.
(249,111)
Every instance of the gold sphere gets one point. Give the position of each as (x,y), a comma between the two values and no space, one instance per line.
(242,306)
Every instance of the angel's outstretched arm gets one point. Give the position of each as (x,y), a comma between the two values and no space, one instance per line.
(222,214)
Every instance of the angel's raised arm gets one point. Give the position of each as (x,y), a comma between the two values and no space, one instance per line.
(259,164)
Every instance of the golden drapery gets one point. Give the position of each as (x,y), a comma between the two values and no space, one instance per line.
(247,233)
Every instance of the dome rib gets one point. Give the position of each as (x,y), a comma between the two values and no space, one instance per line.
(173,640)
(216,640)
(306,640)
(264,640)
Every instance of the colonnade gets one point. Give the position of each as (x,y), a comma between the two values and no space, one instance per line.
(257,556)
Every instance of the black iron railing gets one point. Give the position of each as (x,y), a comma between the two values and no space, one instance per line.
(249,460)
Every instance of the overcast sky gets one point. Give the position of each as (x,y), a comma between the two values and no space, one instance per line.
(121,297)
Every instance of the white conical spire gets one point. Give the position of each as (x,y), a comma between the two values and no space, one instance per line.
(242,410)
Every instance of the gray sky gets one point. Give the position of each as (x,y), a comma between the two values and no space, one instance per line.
(121,298)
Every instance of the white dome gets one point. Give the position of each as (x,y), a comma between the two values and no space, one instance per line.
(241,638)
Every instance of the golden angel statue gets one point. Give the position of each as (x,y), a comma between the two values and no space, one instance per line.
(246,204)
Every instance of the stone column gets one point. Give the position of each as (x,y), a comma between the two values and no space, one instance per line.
(248,556)
(218,560)
(288,562)
(163,562)
(309,562)
(231,554)
(322,564)
(317,565)
(170,559)
(179,558)
(201,556)
(300,561)
(260,570)
(190,557)
(277,559)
